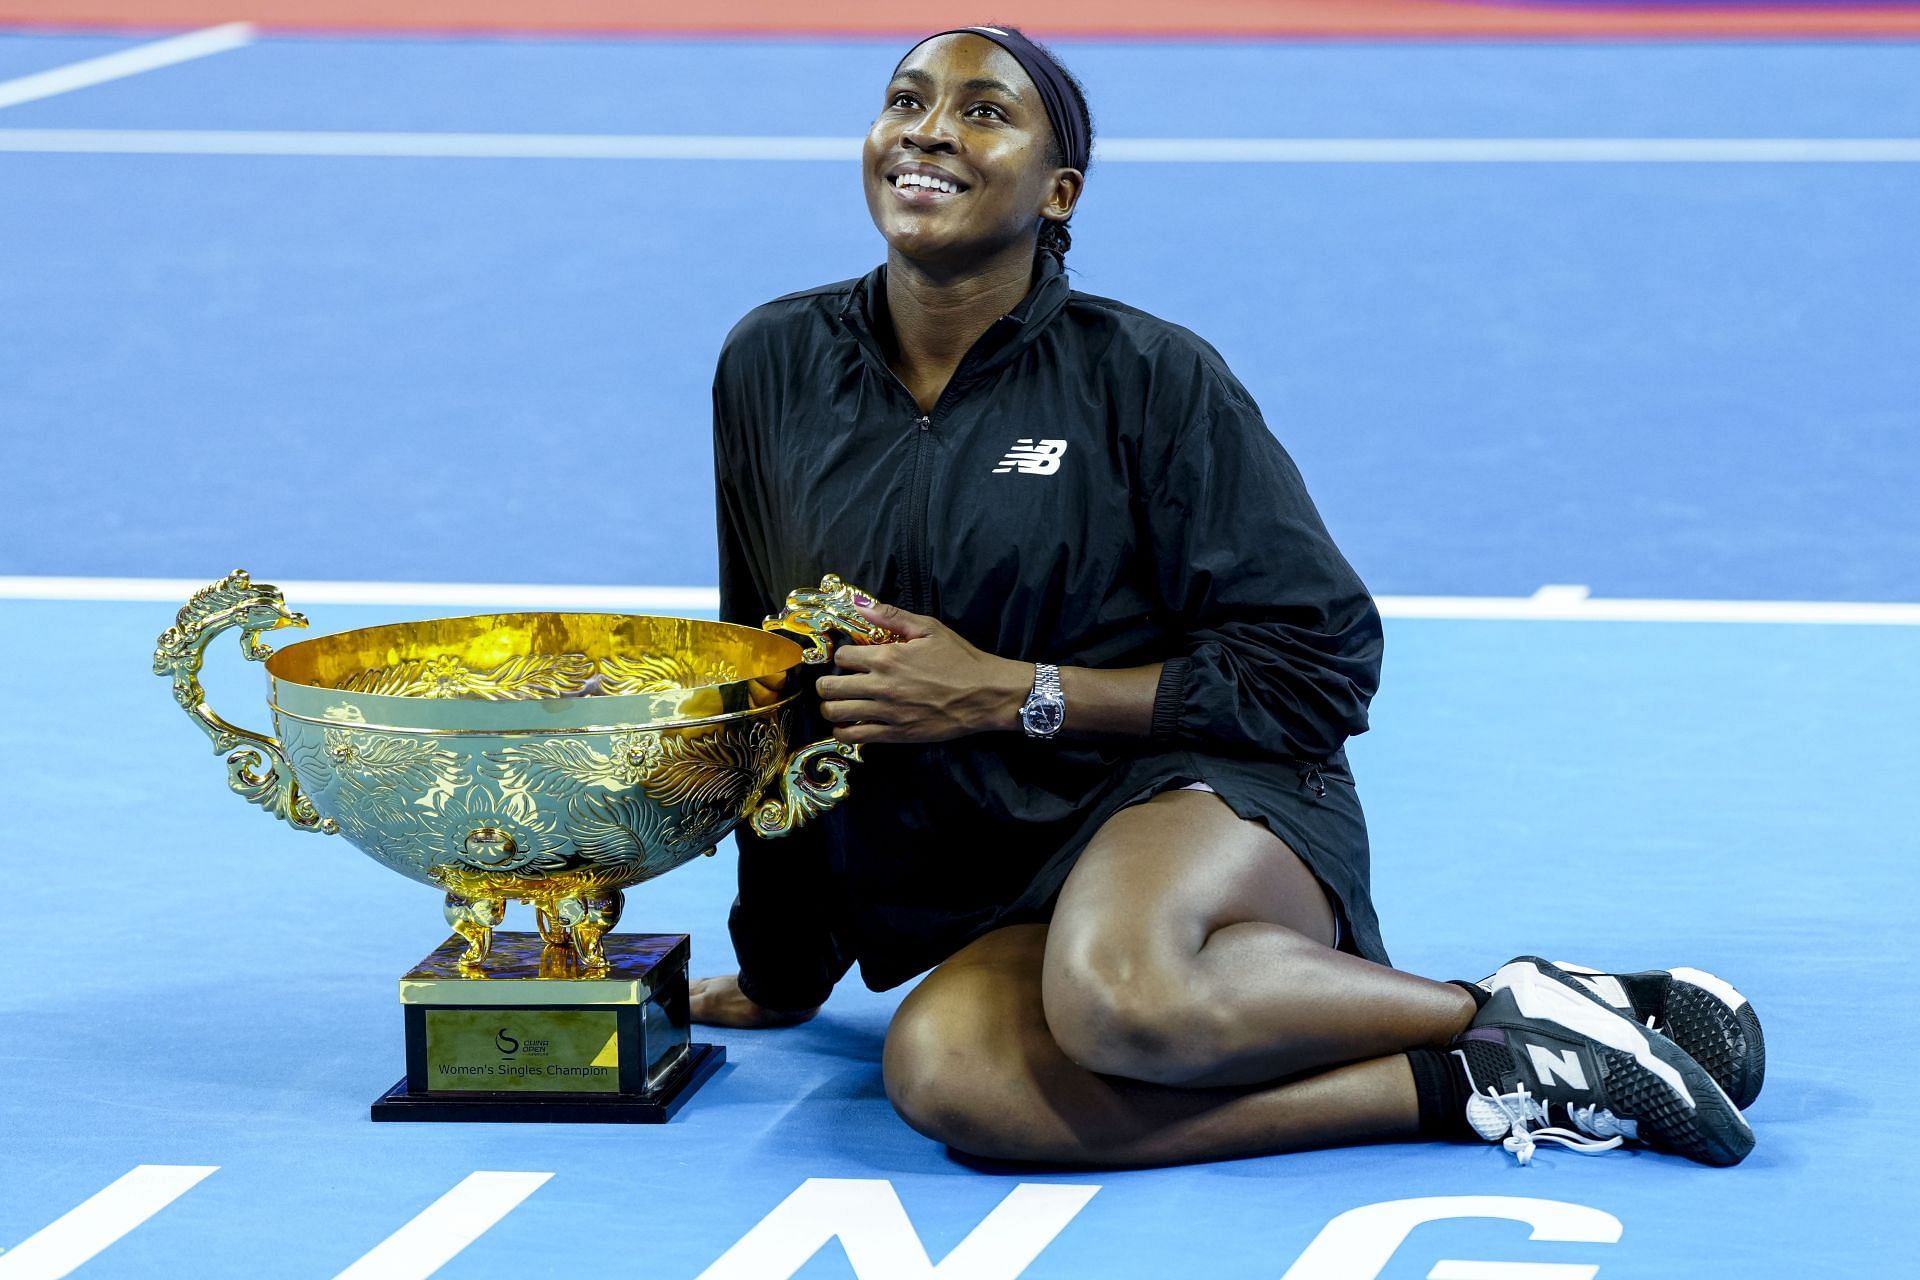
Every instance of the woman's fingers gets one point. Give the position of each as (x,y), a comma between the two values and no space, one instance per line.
(863,733)
(897,620)
(854,711)
(862,657)
(843,688)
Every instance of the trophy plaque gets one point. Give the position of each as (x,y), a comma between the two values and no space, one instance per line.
(538,1041)
(554,759)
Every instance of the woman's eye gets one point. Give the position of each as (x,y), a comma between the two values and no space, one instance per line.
(904,96)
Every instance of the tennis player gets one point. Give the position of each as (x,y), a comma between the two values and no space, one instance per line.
(1105,797)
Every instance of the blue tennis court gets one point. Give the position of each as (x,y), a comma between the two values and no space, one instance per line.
(355,311)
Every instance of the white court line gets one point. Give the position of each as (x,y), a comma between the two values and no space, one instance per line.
(1547,607)
(492,146)
(488,595)
(127,62)
(433,1236)
(96,1222)
(1513,150)
(1556,603)
(591,146)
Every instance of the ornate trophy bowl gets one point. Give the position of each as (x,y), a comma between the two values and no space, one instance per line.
(549,758)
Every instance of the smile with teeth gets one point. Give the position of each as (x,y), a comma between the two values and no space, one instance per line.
(926,182)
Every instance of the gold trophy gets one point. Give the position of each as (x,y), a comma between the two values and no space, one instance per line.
(554,759)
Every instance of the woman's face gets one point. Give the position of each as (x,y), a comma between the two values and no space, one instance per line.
(960,110)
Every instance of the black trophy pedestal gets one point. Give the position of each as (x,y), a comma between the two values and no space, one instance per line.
(532,1042)
(701,1061)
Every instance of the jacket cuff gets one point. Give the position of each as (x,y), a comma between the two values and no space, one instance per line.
(781,967)
(1169,698)
(778,1000)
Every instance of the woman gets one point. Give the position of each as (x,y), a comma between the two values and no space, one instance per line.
(1105,797)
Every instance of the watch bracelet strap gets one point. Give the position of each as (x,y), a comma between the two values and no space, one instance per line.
(1046,688)
(1046,678)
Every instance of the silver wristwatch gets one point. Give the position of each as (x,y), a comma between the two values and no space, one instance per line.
(1045,710)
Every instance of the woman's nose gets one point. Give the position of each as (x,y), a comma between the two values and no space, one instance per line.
(932,130)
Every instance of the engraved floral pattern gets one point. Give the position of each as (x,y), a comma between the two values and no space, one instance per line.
(659,672)
(533,675)
(467,829)
(713,765)
(567,767)
(700,827)
(624,806)
(619,831)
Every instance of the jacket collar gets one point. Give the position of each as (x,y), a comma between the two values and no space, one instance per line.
(865,315)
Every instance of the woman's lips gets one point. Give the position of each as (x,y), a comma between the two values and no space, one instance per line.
(922,196)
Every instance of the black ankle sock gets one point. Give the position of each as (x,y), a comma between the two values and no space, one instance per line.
(1474,989)
(1440,1083)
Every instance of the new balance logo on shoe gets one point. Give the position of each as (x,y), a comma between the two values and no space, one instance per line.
(1563,1066)
(1032,457)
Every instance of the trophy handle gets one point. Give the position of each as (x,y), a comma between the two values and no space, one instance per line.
(814,780)
(255,608)
(819,613)
(815,777)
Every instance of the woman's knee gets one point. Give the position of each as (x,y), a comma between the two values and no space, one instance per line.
(956,1064)
(1116,1011)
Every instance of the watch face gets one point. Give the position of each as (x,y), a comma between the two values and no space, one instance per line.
(1043,717)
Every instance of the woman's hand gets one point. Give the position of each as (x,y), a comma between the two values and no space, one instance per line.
(719,1002)
(930,686)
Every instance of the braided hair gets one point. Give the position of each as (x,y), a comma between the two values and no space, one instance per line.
(1054,236)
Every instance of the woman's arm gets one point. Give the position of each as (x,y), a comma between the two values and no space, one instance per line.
(936,686)
(789,957)
(1279,641)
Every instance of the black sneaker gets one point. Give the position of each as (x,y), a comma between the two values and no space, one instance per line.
(1701,1013)
(1545,1049)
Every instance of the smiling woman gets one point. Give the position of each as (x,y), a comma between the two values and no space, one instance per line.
(1050,115)
(1106,797)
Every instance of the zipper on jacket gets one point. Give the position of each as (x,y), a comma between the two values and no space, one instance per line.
(919,574)
(918,570)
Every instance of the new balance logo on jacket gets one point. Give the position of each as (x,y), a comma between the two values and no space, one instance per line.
(1032,457)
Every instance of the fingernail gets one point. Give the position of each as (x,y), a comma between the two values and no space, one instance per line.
(859,598)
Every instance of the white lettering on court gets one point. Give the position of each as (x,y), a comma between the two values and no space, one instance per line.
(431,1238)
(881,1244)
(1359,1243)
(90,1226)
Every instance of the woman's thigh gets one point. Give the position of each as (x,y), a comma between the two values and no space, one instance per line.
(1184,938)
(1164,875)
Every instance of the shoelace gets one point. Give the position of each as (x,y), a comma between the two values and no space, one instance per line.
(1526,1117)
(1524,1121)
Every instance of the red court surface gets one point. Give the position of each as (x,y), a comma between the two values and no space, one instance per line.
(1323,19)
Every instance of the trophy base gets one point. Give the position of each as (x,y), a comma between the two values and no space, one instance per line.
(701,1061)
(534,1038)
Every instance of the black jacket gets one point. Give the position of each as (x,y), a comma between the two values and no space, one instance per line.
(1094,488)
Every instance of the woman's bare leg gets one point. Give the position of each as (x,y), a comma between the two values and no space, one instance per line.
(1184,1004)
(970,1062)
(1192,947)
